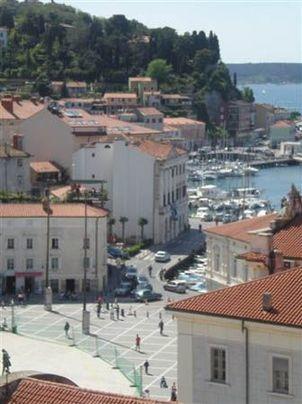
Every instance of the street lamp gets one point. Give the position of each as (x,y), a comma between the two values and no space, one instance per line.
(85,312)
(47,292)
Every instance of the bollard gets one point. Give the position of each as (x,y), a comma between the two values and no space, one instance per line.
(107,306)
(122,312)
(147,314)
(134,313)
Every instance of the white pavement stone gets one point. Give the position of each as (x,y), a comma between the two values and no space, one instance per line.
(80,367)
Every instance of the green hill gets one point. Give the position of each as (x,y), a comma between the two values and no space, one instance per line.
(267,72)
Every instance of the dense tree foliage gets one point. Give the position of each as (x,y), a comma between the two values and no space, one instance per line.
(56,42)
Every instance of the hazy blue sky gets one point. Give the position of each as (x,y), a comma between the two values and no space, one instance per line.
(254,31)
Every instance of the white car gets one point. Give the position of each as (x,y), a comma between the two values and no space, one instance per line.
(162,256)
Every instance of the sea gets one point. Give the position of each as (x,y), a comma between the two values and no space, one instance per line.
(274,182)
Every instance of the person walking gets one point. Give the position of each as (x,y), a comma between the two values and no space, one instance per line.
(173,392)
(138,343)
(163,383)
(146,366)
(98,309)
(161,327)
(150,270)
(117,309)
(66,329)
(6,363)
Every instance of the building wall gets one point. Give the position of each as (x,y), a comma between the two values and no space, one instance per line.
(171,216)
(47,137)
(15,174)
(197,334)
(70,232)
(277,135)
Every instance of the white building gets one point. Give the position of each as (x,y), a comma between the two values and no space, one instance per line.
(14,169)
(146,180)
(242,344)
(23,243)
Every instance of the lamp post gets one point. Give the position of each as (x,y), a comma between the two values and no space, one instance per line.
(47,291)
(85,312)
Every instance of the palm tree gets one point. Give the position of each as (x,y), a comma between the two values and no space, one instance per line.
(142,222)
(111,223)
(123,220)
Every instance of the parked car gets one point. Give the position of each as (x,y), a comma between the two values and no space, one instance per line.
(115,252)
(146,295)
(199,287)
(175,286)
(131,273)
(143,282)
(124,289)
(162,256)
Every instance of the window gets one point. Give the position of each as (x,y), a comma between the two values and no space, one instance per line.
(92,154)
(29,263)
(93,176)
(164,200)
(86,243)
(11,243)
(168,198)
(86,262)
(153,120)
(10,264)
(54,243)
(54,263)
(19,162)
(280,375)
(172,172)
(218,365)
(29,243)
(20,179)
(184,191)
(172,196)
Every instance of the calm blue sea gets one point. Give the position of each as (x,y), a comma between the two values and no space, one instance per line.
(273,182)
(282,95)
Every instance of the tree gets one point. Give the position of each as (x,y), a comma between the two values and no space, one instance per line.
(123,220)
(159,69)
(248,94)
(111,223)
(142,222)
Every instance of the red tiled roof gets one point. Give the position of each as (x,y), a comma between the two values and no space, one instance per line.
(245,301)
(120,95)
(253,257)
(180,121)
(282,124)
(149,111)
(58,210)
(44,167)
(289,239)
(32,391)
(23,109)
(10,151)
(142,79)
(240,230)
(159,150)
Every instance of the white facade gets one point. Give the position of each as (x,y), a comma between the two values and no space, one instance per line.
(198,334)
(139,185)
(23,255)
(15,173)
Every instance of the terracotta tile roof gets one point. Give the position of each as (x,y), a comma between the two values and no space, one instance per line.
(62,192)
(240,230)
(21,109)
(149,111)
(245,301)
(175,97)
(43,167)
(143,79)
(9,151)
(161,151)
(120,95)
(282,124)
(58,210)
(253,257)
(289,239)
(182,121)
(33,391)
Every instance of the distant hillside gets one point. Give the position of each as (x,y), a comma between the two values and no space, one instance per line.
(267,72)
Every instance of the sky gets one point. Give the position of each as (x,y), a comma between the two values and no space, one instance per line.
(251,31)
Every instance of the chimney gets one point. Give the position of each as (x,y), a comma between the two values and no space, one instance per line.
(8,104)
(18,142)
(17,98)
(279,265)
(267,301)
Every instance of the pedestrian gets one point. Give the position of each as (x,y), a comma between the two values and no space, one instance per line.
(150,270)
(6,363)
(98,309)
(161,327)
(66,329)
(163,383)
(117,308)
(138,343)
(146,366)
(173,392)
(112,313)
